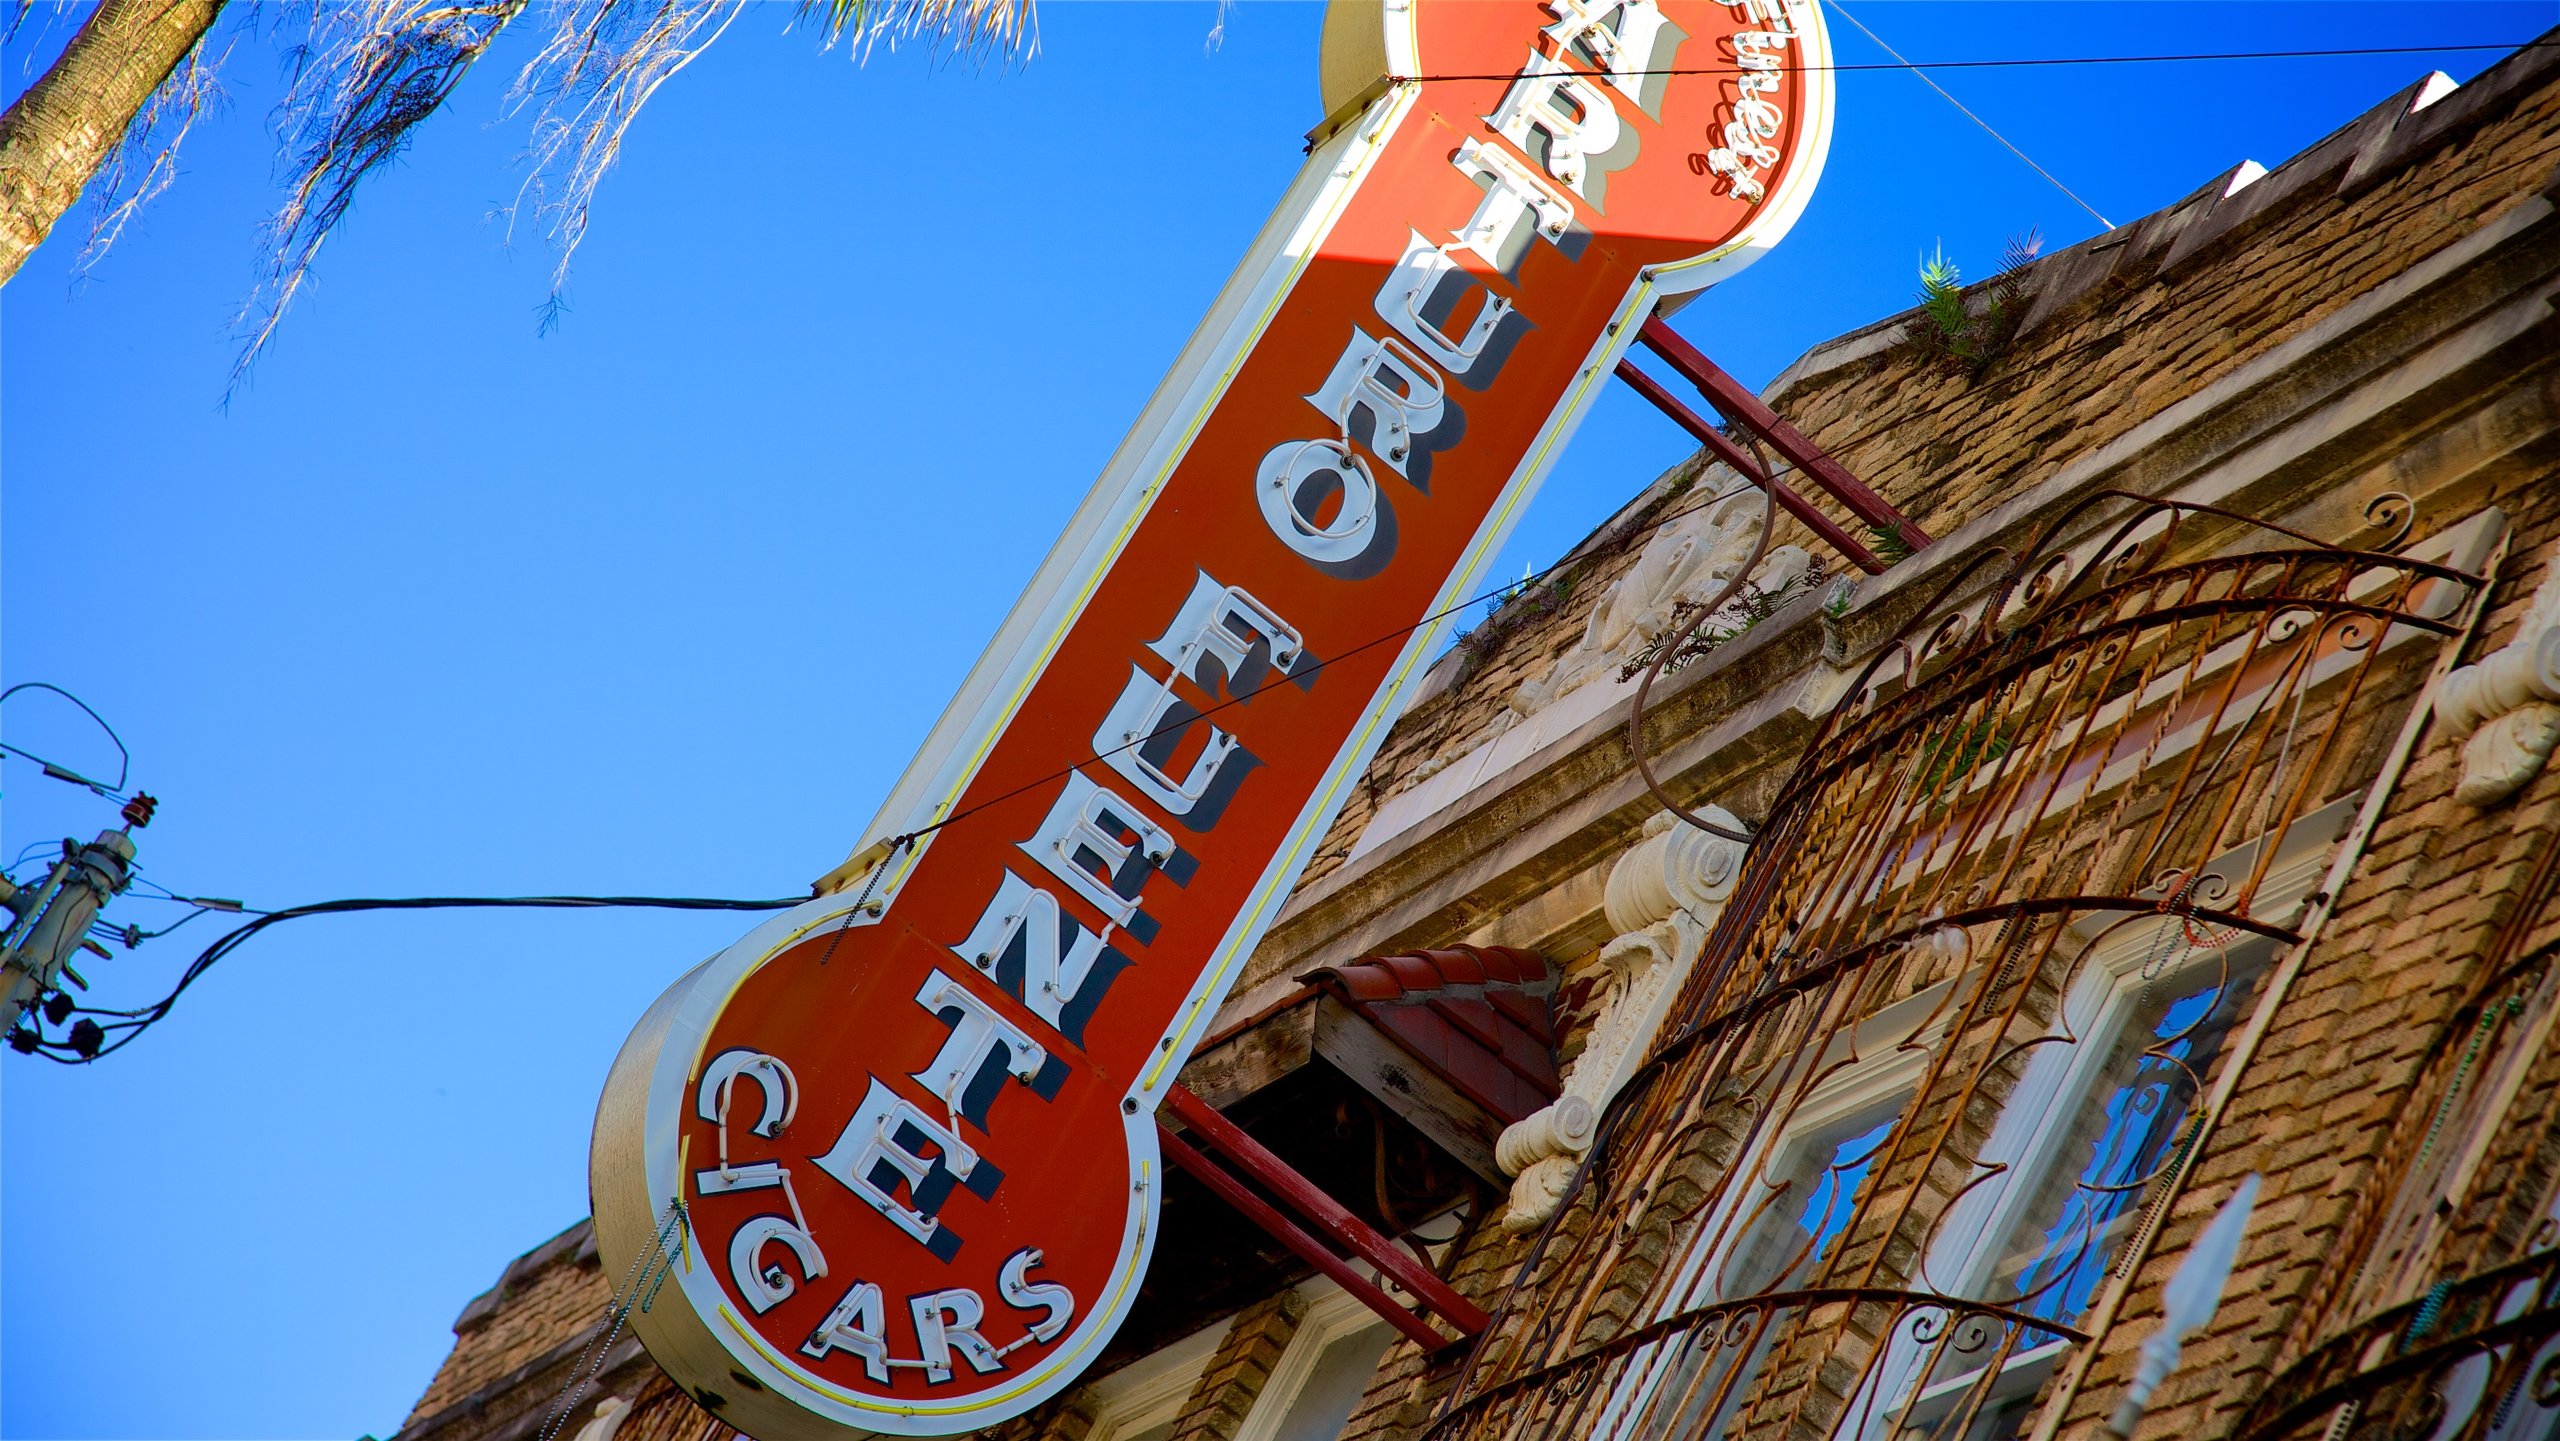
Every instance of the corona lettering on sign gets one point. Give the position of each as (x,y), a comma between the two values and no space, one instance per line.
(888,1165)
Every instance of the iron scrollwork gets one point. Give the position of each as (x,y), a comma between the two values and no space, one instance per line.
(1962,885)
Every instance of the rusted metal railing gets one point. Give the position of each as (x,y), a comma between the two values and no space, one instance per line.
(2470,1359)
(2039,853)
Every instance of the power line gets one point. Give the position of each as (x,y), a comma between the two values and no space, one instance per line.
(1923,77)
(2023,63)
(129,1024)
(124,1026)
(124,763)
(901,841)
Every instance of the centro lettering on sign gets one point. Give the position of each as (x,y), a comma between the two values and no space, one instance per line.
(897,1145)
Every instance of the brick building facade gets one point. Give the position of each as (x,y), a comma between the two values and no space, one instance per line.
(2104,853)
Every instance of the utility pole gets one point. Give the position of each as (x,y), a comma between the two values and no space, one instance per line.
(50,920)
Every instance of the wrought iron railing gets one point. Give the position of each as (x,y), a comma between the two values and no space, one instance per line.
(2465,1189)
(2470,1359)
(2073,786)
(1685,1374)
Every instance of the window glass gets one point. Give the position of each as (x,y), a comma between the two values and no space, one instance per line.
(2121,1121)
(1323,1406)
(1803,1202)
(1816,1184)
(2125,1125)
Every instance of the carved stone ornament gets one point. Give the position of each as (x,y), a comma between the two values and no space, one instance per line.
(611,1412)
(2503,706)
(1686,562)
(1663,898)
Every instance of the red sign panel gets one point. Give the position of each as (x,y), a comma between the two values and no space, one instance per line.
(898,1144)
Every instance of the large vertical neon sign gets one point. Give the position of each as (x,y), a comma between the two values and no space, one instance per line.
(898,1142)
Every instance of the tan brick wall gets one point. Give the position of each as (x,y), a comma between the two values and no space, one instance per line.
(1947,445)
(1401,1396)
(1067,1418)
(1501,650)
(1234,1377)
(2317,1106)
(561,1301)
(2321,1095)
(2327,1098)
(661,1412)
(2504,1220)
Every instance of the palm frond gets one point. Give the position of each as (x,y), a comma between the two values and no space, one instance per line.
(370,71)
(2021,251)
(368,74)
(602,62)
(1008,28)
(2009,286)
(1971,335)
(1942,294)
(146,160)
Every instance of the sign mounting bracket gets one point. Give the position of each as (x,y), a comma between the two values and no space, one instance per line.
(1344,1230)
(1736,402)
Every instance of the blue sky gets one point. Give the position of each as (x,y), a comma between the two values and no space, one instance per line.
(662,602)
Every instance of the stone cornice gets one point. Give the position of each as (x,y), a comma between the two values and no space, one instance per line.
(2469,319)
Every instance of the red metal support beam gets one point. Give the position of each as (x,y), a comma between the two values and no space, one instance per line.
(1328,1215)
(1314,1252)
(1733,455)
(1728,395)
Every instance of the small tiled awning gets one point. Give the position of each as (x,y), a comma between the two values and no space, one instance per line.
(1477,1017)
(1376,1084)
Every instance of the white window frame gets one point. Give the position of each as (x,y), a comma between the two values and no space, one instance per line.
(1332,1314)
(2035,1120)
(1153,1390)
(1889,1067)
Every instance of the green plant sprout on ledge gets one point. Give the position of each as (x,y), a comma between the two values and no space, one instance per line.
(1957,333)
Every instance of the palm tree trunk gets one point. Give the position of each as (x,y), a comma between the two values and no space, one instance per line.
(66,124)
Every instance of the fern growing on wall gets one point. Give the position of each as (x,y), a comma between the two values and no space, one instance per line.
(1942,300)
(1964,334)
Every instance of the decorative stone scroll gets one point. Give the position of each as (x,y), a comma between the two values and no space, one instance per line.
(1663,898)
(611,1412)
(2503,706)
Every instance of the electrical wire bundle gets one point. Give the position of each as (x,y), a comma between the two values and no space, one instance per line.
(97,1031)
(88,1032)
(116,1029)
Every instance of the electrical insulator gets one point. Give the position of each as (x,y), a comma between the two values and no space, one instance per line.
(44,928)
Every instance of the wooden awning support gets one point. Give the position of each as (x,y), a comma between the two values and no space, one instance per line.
(1347,1234)
(1738,405)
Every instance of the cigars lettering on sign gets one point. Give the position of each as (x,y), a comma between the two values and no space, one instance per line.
(897,1145)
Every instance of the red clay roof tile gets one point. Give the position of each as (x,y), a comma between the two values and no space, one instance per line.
(1478,1016)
